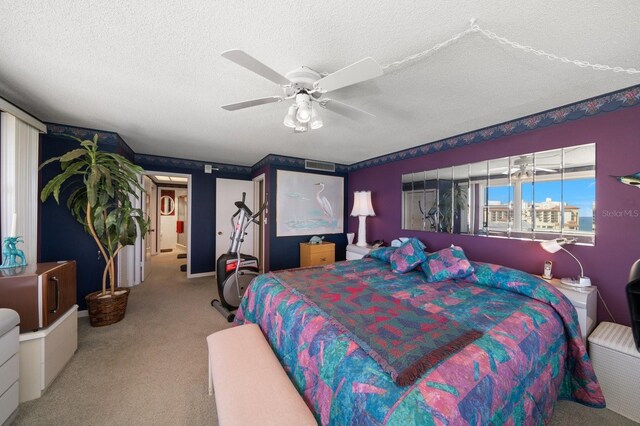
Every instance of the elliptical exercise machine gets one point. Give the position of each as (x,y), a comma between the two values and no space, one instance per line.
(234,270)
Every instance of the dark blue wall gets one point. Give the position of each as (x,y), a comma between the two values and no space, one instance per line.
(284,252)
(203,203)
(61,237)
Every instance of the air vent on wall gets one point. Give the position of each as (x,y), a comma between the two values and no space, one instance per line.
(319,165)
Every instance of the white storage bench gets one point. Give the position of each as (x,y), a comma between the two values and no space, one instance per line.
(251,387)
(616,362)
(9,361)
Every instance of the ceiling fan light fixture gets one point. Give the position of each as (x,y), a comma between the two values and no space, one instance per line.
(316,120)
(290,119)
(301,127)
(303,101)
(306,86)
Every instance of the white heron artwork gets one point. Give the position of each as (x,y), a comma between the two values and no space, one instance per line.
(309,204)
(325,205)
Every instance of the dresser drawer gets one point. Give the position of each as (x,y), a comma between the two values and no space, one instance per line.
(8,345)
(322,258)
(9,403)
(9,373)
(58,291)
(317,254)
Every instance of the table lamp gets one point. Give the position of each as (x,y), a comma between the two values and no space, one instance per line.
(555,245)
(362,208)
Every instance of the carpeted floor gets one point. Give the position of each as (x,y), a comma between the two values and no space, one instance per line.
(148,369)
(151,368)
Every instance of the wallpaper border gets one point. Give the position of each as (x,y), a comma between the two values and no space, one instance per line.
(600,104)
(587,108)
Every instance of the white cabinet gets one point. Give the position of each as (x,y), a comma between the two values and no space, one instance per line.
(616,362)
(44,353)
(585,300)
(356,252)
(9,360)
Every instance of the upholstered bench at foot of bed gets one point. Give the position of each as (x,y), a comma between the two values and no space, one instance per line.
(251,387)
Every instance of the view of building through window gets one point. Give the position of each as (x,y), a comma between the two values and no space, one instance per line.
(538,195)
(549,211)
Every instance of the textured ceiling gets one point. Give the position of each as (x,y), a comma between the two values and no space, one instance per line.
(152,71)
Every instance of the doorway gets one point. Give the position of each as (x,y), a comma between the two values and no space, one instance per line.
(228,191)
(152,203)
(260,196)
(172,217)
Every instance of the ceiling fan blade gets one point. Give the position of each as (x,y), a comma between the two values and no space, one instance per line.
(253,102)
(252,64)
(362,70)
(344,109)
(505,170)
(545,170)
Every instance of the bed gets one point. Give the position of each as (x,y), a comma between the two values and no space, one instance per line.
(345,333)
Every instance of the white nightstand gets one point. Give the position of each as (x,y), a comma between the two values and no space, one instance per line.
(356,252)
(585,300)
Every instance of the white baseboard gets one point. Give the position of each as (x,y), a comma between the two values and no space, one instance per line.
(202,274)
(83,313)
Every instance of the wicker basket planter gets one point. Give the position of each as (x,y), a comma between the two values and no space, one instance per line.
(106,310)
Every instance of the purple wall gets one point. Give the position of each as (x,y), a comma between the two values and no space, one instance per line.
(617,138)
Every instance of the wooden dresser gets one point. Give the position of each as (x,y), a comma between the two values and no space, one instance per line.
(317,254)
(39,293)
(44,295)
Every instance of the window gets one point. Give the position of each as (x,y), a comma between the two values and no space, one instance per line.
(539,195)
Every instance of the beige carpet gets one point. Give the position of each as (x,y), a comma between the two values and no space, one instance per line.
(148,369)
(151,368)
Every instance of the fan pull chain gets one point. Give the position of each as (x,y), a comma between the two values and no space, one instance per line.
(502,40)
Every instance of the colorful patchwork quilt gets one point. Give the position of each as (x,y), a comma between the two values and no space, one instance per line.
(342,339)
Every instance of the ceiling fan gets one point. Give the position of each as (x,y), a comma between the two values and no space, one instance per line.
(305,86)
(524,168)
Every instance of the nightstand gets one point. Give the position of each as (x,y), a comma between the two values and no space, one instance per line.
(356,252)
(585,300)
(317,254)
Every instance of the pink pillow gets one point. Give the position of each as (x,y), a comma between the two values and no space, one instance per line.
(409,255)
(447,264)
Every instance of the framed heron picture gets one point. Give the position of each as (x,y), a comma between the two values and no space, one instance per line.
(309,204)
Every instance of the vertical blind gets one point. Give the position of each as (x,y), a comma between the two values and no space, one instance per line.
(19,182)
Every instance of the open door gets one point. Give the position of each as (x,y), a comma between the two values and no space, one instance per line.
(149,212)
(259,196)
(147,246)
(228,191)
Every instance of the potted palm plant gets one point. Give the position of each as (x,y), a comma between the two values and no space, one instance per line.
(101,186)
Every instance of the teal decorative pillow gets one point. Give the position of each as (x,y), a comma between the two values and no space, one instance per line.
(447,264)
(409,255)
(383,253)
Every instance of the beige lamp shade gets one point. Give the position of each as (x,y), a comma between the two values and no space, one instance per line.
(362,204)
(362,208)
